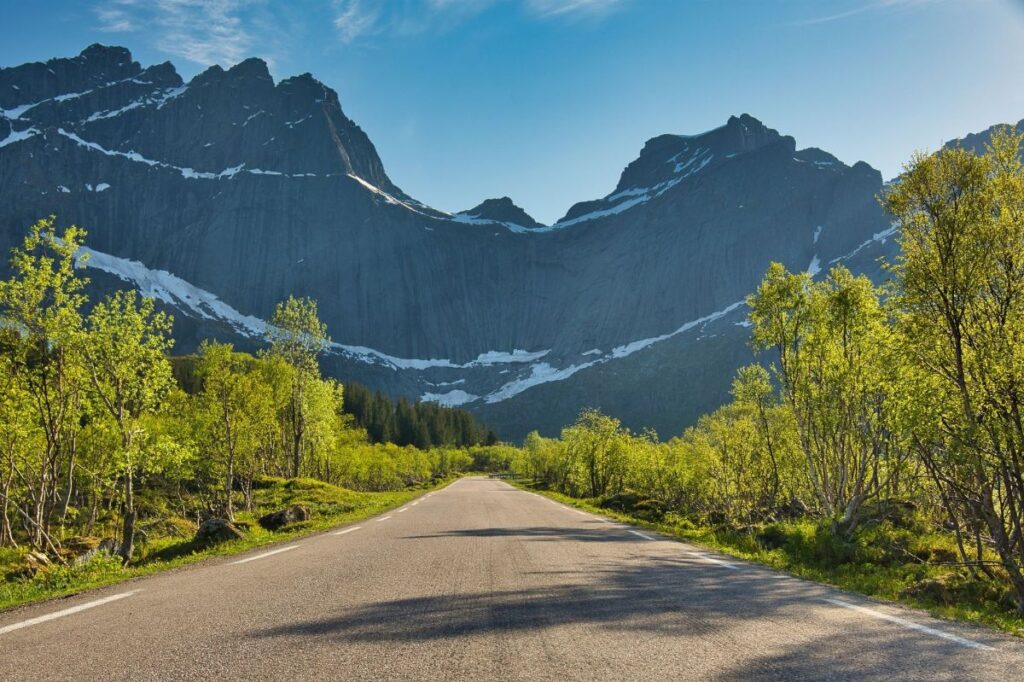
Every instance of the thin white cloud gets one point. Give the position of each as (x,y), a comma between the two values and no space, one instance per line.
(226,31)
(360,19)
(115,20)
(201,31)
(576,8)
(354,20)
(861,8)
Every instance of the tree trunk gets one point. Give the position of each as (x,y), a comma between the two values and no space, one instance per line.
(128,530)
(229,510)
(6,532)
(71,486)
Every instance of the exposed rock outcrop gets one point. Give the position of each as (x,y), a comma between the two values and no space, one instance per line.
(283,517)
(215,531)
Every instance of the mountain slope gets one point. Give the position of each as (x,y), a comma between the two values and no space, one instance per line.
(225,194)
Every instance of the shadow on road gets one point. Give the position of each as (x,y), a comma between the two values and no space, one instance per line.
(679,603)
(599,533)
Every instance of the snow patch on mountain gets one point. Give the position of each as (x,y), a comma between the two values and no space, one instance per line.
(450,399)
(191,173)
(467,219)
(387,197)
(544,372)
(174,291)
(18,136)
(877,238)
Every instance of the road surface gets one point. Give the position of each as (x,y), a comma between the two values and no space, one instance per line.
(480,581)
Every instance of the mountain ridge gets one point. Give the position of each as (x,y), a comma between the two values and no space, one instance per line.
(224,195)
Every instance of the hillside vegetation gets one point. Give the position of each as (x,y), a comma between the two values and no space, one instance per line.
(882,447)
(112,455)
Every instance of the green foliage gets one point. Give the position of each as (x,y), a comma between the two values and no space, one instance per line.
(423,424)
(102,435)
(958,307)
(874,399)
(331,506)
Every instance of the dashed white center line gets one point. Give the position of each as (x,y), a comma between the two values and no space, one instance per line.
(643,535)
(962,641)
(264,555)
(348,530)
(65,612)
(383,518)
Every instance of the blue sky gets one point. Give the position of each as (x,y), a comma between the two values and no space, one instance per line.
(547,100)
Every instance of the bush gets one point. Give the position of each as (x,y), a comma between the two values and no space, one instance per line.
(624,502)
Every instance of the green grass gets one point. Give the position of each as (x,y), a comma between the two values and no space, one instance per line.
(331,507)
(879,562)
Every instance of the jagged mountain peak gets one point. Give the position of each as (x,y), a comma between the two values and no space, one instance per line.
(39,81)
(114,54)
(223,121)
(501,210)
(667,155)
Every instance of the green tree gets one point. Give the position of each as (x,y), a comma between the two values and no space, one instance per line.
(594,445)
(298,337)
(959,307)
(832,338)
(125,347)
(40,311)
(238,409)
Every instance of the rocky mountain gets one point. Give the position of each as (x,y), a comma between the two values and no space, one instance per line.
(978,142)
(498,211)
(223,195)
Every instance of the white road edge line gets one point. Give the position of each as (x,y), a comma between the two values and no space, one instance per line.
(403,509)
(414,503)
(264,555)
(66,612)
(348,530)
(910,624)
(383,518)
(643,535)
(713,560)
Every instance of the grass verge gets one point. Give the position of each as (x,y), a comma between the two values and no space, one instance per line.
(865,566)
(331,507)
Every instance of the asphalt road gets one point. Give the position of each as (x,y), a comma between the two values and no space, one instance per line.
(480,581)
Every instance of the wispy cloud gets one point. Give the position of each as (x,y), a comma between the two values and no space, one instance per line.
(226,31)
(115,19)
(201,31)
(572,8)
(861,8)
(354,20)
(359,19)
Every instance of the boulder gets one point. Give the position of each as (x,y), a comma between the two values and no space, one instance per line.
(31,565)
(282,517)
(109,545)
(214,531)
(80,550)
(941,590)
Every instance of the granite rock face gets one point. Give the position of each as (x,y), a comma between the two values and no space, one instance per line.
(223,195)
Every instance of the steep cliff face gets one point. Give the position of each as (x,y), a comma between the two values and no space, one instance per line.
(224,195)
